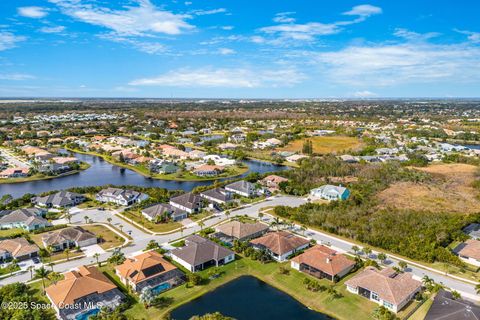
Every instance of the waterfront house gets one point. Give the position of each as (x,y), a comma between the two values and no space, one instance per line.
(82,293)
(242,188)
(28,219)
(387,287)
(242,231)
(68,238)
(469,252)
(120,196)
(17,248)
(16,172)
(62,199)
(280,244)
(149,270)
(217,195)
(162,211)
(323,262)
(200,253)
(188,202)
(272,182)
(330,192)
(206,170)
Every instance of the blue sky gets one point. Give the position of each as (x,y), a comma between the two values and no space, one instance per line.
(239,49)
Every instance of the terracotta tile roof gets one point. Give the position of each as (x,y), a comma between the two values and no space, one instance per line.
(144,266)
(241,230)
(388,284)
(79,283)
(471,249)
(280,242)
(324,259)
(17,247)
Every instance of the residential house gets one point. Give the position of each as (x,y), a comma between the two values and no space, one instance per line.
(241,231)
(62,199)
(444,306)
(149,270)
(295,157)
(16,172)
(82,293)
(280,244)
(242,188)
(18,248)
(469,251)
(189,202)
(120,196)
(386,287)
(217,195)
(207,170)
(28,219)
(162,211)
(272,182)
(70,237)
(200,253)
(323,262)
(330,192)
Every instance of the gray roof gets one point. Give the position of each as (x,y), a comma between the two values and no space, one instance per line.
(199,250)
(240,230)
(74,234)
(217,193)
(61,199)
(444,307)
(28,216)
(158,209)
(116,192)
(187,200)
(241,185)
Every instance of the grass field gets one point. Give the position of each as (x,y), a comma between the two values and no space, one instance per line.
(110,238)
(450,191)
(7,233)
(326,144)
(155,227)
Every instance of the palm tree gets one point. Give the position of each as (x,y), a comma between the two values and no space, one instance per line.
(367,251)
(96,256)
(120,227)
(355,249)
(303,228)
(31,268)
(54,277)
(260,215)
(181,230)
(109,220)
(477,288)
(67,253)
(51,265)
(68,216)
(42,273)
(86,219)
(227,213)
(427,281)
(382,257)
(403,265)
(201,224)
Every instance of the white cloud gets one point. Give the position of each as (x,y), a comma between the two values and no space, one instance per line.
(364,94)
(290,33)
(33,12)
(363,10)
(472,36)
(414,36)
(209,12)
(144,46)
(226,51)
(393,64)
(16,76)
(8,40)
(142,20)
(57,29)
(226,77)
(227,27)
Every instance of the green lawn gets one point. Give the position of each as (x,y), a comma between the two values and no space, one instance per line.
(341,308)
(422,311)
(15,232)
(109,238)
(136,216)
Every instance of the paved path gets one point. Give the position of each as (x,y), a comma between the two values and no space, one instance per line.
(141,239)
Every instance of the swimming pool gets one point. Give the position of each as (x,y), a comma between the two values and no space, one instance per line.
(88,314)
(161,287)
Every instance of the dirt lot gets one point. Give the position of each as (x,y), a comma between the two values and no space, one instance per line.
(450,191)
(327,144)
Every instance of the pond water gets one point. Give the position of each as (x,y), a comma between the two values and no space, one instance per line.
(248,298)
(102,172)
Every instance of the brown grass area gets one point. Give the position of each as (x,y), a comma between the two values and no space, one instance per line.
(450,191)
(326,144)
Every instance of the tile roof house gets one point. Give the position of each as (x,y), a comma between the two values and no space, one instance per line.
(469,251)
(14,172)
(323,262)
(60,199)
(120,196)
(242,187)
(200,253)
(217,195)
(28,219)
(81,293)
(68,237)
(18,248)
(280,244)
(189,202)
(241,231)
(206,170)
(387,287)
(273,181)
(163,211)
(149,270)
(330,192)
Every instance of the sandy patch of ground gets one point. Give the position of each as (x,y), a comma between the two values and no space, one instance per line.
(450,191)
